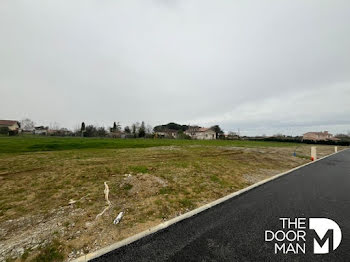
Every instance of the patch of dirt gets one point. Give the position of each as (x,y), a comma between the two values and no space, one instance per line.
(142,185)
(33,232)
(252,178)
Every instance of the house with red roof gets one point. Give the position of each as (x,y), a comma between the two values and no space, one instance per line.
(319,136)
(9,127)
(203,133)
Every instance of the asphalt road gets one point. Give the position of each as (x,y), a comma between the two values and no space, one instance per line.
(234,230)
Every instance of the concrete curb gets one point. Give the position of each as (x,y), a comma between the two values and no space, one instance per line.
(170,222)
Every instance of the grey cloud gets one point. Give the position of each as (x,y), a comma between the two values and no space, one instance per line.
(235,63)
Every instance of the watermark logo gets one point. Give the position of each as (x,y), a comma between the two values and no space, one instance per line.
(328,235)
(291,238)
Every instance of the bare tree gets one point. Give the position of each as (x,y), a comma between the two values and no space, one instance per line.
(149,129)
(54,126)
(135,129)
(27,124)
(76,128)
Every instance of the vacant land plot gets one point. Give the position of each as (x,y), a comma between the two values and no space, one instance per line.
(34,143)
(49,199)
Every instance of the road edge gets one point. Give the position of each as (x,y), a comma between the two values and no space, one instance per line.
(189,214)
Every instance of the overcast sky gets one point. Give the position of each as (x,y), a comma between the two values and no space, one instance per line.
(262,67)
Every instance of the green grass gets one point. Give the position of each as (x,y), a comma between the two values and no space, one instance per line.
(186,203)
(216,179)
(166,190)
(127,186)
(139,169)
(52,252)
(25,255)
(19,144)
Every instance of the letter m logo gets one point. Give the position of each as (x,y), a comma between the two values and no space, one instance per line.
(328,235)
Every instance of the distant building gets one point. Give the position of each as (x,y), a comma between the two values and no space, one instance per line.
(59,132)
(116,134)
(11,127)
(232,136)
(319,136)
(41,130)
(203,133)
(166,133)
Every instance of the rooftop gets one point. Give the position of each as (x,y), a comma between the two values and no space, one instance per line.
(8,122)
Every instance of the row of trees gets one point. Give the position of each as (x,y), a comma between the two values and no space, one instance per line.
(135,130)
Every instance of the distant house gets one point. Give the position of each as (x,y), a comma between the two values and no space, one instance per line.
(196,132)
(319,136)
(59,132)
(116,134)
(166,133)
(9,127)
(41,130)
(232,136)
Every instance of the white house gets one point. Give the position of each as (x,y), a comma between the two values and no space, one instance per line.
(41,130)
(196,132)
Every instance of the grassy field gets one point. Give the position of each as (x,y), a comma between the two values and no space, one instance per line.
(34,144)
(150,180)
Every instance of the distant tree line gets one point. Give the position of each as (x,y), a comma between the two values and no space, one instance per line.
(171,126)
(136,130)
(142,130)
(299,139)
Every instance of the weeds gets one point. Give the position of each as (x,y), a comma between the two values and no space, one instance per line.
(51,253)
(127,186)
(139,169)
(166,190)
(186,203)
(214,178)
(25,255)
